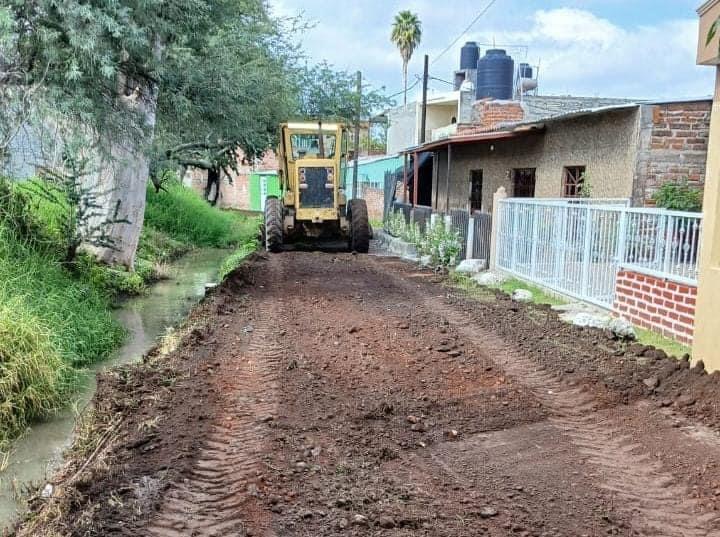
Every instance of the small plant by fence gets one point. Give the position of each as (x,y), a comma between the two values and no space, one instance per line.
(577,247)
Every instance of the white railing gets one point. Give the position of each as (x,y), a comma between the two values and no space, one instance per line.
(578,248)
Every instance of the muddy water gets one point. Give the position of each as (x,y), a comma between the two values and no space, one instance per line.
(146,318)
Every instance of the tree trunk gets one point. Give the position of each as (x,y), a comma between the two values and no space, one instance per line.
(405,71)
(121,185)
(212,187)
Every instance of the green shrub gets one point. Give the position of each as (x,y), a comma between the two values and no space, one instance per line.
(442,244)
(679,197)
(183,215)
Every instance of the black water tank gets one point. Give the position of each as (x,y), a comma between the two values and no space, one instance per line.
(469,55)
(495,75)
(524,70)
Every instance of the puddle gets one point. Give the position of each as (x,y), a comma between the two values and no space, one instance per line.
(39,452)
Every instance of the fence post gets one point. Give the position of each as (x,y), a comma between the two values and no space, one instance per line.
(622,239)
(560,244)
(668,243)
(586,253)
(535,231)
(433,219)
(448,222)
(470,244)
(495,224)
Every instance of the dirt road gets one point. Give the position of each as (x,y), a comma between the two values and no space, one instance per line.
(331,394)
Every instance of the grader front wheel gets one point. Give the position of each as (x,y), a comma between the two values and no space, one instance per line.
(359,240)
(273,224)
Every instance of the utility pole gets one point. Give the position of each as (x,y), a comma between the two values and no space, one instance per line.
(358,111)
(423,119)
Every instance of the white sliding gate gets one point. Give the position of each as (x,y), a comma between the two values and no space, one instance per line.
(576,247)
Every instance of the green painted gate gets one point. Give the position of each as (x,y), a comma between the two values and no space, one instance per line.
(262,185)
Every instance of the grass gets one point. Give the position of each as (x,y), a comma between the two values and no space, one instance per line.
(185,217)
(540,296)
(54,318)
(670,346)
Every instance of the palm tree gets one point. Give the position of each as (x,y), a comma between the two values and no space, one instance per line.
(406,35)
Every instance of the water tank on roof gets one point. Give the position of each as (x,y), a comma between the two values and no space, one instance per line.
(524,70)
(469,55)
(495,73)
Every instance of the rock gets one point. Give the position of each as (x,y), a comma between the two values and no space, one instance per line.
(353,330)
(342,523)
(685,400)
(47,491)
(360,520)
(306,513)
(489,278)
(412,419)
(443,348)
(622,328)
(386,522)
(652,382)
(522,295)
(471,266)
(425,261)
(488,512)
(655,354)
(418,428)
(454,354)
(452,434)
(591,320)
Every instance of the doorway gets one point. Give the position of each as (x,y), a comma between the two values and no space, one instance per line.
(476,184)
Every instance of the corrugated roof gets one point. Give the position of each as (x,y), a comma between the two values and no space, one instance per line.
(540,107)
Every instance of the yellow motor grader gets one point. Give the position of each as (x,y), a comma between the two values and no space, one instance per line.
(313,162)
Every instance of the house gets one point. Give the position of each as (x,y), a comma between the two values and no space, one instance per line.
(534,148)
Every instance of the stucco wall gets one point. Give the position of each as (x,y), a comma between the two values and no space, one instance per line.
(606,144)
(401,128)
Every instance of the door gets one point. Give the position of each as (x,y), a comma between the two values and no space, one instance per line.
(524,182)
(476,183)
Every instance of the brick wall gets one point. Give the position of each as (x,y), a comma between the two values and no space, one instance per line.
(665,307)
(678,142)
(235,195)
(489,114)
(374,197)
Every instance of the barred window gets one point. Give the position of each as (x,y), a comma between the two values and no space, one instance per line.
(573,178)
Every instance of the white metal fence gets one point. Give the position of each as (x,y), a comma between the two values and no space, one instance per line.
(576,247)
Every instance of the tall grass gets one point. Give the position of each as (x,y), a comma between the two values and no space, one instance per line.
(185,216)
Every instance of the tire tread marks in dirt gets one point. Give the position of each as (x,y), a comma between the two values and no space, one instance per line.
(656,500)
(220,496)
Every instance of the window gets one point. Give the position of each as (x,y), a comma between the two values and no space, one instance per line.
(308,146)
(573,178)
(524,182)
(476,181)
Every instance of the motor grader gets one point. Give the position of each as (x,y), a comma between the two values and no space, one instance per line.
(313,164)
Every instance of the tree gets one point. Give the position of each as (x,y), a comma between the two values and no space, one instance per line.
(406,35)
(146,81)
(324,92)
(234,94)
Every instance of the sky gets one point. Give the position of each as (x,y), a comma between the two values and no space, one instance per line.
(642,49)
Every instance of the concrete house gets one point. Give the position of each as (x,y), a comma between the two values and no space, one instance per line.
(535,149)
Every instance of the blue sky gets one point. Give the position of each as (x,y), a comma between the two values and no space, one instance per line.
(613,48)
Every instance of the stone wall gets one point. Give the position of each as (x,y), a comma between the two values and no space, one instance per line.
(673,146)
(656,304)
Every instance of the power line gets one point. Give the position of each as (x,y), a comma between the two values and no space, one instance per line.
(451,45)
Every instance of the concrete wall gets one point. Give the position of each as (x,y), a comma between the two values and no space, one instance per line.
(605,143)
(402,124)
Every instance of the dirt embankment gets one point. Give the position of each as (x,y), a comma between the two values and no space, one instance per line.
(321,394)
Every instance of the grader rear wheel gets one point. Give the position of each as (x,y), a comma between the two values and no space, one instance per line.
(359,226)
(273,224)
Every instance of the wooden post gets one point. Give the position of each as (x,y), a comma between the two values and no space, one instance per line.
(405,178)
(447,180)
(501,194)
(416,173)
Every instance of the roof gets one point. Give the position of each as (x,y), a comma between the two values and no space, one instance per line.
(540,107)
(490,136)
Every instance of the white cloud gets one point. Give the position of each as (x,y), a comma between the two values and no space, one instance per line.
(580,52)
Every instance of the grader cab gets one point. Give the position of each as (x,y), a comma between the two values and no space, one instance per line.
(313,204)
